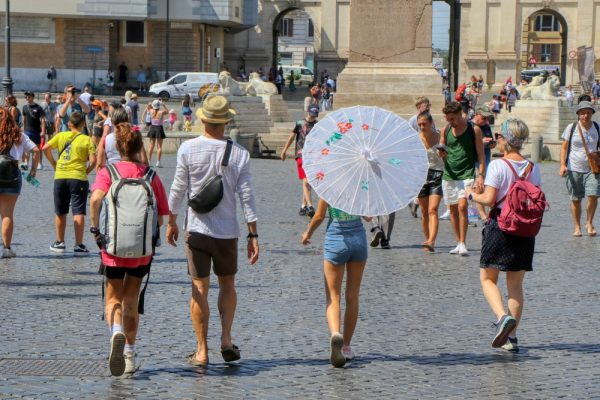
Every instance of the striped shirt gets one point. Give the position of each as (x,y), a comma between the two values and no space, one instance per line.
(200,159)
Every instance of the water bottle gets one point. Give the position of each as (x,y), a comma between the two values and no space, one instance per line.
(33,181)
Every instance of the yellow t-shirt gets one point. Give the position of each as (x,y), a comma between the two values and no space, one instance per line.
(72,163)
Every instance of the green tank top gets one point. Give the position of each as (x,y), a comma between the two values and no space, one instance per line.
(462,155)
(339,215)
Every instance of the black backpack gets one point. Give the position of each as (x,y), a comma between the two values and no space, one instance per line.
(9,170)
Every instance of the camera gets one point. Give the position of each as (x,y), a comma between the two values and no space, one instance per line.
(75,90)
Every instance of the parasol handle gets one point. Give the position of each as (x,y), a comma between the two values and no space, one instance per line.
(367,155)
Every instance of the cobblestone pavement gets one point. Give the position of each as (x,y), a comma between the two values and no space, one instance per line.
(424,328)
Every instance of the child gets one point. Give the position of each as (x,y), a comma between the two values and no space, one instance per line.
(172,119)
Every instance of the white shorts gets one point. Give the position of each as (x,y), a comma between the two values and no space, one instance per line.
(455,190)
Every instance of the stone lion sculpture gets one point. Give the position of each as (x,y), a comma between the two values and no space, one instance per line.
(257,86)
(540,90)
(230,86)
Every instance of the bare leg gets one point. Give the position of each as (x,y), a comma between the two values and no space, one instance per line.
(489,285)
(576,212)
(158,149)
(131,317)
(592,204)
(227,304)
(455,220)
(333,285)
(151,149)
(463,213)
(307,200)
(434,221)
(199,313)
(424,203)
(112,305)
(7,208)
(353,281)
(516,300)
(79,225)
(60,225)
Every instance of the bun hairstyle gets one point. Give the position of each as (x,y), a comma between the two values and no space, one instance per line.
(77,119)
(9,130)
(129,141)
(118,116)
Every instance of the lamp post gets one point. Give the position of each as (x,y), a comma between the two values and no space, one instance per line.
(167,76)
(7,82)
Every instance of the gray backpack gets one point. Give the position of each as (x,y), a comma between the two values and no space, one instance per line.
(131,219)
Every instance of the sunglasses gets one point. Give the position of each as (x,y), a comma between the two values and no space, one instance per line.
(498,136)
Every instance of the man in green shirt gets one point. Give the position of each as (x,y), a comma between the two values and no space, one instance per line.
(461,145)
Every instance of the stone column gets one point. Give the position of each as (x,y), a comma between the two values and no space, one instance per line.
(389,56)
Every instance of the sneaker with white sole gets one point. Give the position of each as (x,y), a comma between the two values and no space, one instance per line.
(130,364)
(8,253)
(512,345)
(336,357)
(348,353)
(503,327)
(80,250)
(158,164)
(455,250)
(446,215)
(58,247)
(462,250)
(116,359)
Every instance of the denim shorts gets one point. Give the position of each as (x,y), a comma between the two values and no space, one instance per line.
(13,190)
(345,241)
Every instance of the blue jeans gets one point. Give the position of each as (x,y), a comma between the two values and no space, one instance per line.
(345,241)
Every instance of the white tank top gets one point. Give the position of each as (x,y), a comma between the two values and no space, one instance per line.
(110,148)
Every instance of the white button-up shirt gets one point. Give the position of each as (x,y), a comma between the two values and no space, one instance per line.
(200,159)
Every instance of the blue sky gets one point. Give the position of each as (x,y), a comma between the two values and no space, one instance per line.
(441,24)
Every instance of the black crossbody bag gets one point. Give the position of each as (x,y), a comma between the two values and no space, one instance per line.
(211,193)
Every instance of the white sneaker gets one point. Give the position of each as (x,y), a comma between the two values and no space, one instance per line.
(8,253)
(455,250)
(445,215)
(336,357)
(348,353)
(40,167)
(130,365)
(158,164)
(462,249)
(116,360)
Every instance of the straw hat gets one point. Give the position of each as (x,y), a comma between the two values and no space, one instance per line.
(215,110)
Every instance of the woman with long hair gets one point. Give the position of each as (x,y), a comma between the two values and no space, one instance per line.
(13,143)
(501,251)
(345,251)
(124,275)
(13,109)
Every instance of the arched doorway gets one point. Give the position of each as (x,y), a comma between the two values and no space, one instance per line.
(545,38)
(294,39)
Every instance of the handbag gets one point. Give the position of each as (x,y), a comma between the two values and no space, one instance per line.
(593,157)
(9,170)
(211,192)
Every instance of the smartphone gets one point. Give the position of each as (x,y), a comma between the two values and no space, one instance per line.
(441,147)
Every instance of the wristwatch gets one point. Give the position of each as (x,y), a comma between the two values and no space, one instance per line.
(252,235)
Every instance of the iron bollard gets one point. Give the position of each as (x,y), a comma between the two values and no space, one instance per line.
(537,144)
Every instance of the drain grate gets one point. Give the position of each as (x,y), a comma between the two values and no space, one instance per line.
(48,367)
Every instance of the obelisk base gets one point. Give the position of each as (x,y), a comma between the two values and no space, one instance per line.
(393,86)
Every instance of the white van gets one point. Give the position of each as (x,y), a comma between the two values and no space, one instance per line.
(182,84)
(306,75)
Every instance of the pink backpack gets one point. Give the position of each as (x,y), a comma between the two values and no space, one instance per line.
(524,206)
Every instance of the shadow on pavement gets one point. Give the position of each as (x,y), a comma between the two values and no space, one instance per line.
(590,348)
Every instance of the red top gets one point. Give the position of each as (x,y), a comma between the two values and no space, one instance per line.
(131,170)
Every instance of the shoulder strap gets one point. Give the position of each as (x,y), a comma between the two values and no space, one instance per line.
(569,143)
(585,146)
(68,144)
(524,177)
(227,154)
(113,172)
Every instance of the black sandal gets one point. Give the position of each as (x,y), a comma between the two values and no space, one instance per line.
(230,353)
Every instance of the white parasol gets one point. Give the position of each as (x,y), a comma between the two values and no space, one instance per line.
(365,161)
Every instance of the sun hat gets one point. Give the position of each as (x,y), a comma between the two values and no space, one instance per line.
(585,104)
(172,111)
(134,96)
(484,111)
(215,110)
(156,104)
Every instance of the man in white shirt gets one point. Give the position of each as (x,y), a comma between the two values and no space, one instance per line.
(581,181)
(211,237)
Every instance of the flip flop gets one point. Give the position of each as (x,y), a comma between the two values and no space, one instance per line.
(591,231)
(428,248)
(191,359)
(577,234)
(230,353)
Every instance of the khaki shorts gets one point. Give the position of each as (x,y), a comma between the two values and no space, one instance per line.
(455,190)
(202,250)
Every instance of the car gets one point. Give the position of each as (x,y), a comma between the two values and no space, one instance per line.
(306,75)
(183,83)
(528,74)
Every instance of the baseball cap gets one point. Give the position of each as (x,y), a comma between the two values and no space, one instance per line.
(156,104)
(97,103)
(484,111)
(313,110)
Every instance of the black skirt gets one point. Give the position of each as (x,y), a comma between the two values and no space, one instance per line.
(505,252)
(156,132)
